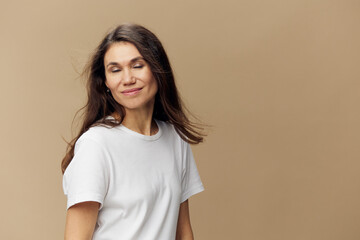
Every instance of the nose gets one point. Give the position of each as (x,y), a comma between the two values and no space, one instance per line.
(128,77)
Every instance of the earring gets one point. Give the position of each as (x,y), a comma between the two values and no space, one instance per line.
(107,90)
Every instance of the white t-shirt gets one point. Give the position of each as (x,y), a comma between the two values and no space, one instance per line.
(138,180)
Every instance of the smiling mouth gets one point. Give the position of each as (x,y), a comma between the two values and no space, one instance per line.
(131,91)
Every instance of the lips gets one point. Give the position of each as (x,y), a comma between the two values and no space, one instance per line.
(131,91)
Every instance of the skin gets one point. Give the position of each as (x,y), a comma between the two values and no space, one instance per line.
(184,230)
(123,72)
(125,69)
(81,220)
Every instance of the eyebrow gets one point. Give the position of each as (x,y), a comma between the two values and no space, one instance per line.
(131,61)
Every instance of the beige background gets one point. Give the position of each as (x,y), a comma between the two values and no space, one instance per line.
(278,80)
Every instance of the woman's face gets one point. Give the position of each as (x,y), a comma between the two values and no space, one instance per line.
(129,77)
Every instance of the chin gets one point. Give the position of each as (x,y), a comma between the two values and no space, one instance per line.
(132,107)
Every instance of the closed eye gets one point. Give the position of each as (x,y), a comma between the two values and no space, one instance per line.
(138,66)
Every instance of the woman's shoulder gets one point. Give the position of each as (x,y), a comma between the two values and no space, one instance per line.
(167,127)
(170,129)
(165,124)
(97,133)
(101,132)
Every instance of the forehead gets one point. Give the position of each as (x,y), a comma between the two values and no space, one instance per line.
(121,52)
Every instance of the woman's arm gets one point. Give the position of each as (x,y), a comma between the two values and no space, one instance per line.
(184,231)
(81,220)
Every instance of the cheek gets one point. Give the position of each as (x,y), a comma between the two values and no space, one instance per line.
(111,83)
(154,85)
(152,81)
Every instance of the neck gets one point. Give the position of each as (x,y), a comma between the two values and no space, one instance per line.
(140,121)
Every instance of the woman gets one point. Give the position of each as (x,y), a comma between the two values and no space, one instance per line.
(130,171)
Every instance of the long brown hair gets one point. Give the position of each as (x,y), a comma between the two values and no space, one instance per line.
(168,106)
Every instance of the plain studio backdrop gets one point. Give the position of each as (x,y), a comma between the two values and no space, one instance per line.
(278,80)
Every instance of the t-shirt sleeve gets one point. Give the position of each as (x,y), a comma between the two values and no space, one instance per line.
(191,183)
(87,176)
